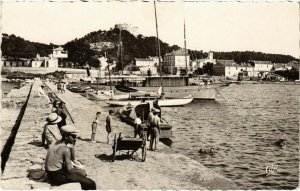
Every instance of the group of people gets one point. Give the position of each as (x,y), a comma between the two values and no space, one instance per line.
(59,139)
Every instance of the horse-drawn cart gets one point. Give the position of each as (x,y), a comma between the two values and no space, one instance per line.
(130,144)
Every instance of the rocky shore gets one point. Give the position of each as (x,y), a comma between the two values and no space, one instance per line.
(161,170)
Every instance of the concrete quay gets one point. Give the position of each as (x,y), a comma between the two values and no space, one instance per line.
(161,170)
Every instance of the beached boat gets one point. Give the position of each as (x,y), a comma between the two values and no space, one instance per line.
(162,102)
(142,110)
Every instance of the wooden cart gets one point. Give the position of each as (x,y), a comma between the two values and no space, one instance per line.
(130,144)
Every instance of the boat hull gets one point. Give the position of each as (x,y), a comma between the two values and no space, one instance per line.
(197,92)
(161,102)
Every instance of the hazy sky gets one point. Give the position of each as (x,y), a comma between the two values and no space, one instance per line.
(266,27)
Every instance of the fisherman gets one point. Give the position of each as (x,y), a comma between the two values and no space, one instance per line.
(155,130)
(58,163)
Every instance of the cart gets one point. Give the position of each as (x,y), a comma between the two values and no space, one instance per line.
(130,144)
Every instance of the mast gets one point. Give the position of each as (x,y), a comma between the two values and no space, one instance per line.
(186,69)
(159,61)
(108,74)
(120,48)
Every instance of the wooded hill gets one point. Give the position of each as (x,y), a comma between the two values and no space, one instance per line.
(88,49)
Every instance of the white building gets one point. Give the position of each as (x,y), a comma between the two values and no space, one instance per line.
(174,62)
(59,53)
(45,62)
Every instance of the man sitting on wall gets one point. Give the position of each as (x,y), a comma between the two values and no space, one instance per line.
(58,161)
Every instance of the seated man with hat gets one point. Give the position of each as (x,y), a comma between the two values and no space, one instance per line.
(51,132)
(58,161)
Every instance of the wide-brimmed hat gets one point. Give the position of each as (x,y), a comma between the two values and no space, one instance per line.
(53,118)
(70,129)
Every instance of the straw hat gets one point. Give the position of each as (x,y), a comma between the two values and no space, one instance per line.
(69,129)
(53,118)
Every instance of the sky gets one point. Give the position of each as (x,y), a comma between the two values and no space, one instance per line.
(220,26)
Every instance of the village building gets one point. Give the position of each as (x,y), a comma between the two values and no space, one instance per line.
(15,62)
(174,62)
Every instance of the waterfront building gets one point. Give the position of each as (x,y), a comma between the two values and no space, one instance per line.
(45,62)
(174,62)
(15,62)
(231,69)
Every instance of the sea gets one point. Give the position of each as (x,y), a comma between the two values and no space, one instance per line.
(242,126)
(7,86)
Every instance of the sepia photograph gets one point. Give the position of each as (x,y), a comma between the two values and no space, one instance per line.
(149,95)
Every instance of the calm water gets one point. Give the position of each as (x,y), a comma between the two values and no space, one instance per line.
(242,127)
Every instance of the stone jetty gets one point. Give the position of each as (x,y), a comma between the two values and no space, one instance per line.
(161,170)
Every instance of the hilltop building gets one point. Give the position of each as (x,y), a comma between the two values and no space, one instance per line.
(128,27)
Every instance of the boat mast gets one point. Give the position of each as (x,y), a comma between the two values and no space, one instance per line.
(159,61)
(120,48)
(185,54)
(109,74)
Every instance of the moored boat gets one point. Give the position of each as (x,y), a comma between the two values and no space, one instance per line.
(161,102)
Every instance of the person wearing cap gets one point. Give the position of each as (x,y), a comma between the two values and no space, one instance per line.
(108,124)
(94,126)
(156,106)
(51,133)
(41,92)
(58,163)
(155,130)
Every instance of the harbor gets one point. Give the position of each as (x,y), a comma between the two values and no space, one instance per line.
(157,96)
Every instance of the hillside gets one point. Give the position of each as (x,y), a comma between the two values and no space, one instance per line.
(88,49)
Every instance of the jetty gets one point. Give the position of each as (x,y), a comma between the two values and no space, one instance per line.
(162,170)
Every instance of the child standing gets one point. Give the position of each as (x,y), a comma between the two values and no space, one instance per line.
(108,124)
(94,126)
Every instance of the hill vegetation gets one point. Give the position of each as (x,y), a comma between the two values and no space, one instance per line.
(88,49)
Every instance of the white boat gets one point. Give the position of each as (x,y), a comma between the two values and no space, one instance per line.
(161,102)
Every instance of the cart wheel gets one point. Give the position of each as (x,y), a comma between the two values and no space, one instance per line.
(115,148)
(144,153)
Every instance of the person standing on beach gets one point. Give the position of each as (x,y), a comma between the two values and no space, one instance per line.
(51,133)
(149,121)
(108,124)
(58,86)
(155,131)
(58,162)
(94,126)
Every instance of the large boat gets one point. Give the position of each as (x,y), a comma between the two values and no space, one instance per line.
(142,110)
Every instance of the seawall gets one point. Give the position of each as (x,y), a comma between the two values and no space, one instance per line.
(161,170)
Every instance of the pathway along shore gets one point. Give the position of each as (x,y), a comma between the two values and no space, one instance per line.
(161,170)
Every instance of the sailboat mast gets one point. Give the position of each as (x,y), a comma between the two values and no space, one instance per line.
(121,57)
(185,54)
(159,61)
